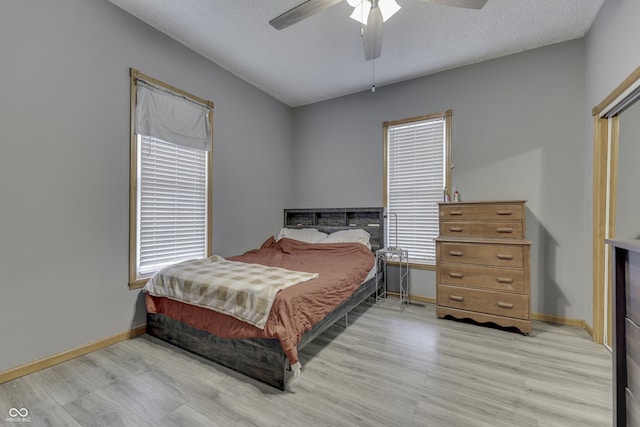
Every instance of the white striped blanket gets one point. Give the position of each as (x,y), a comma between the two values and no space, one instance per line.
(242,290)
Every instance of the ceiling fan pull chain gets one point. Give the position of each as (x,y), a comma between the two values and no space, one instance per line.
(373,75)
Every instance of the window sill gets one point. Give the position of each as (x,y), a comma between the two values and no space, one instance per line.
(137,284)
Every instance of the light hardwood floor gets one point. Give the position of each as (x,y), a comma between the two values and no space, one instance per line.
(387,368)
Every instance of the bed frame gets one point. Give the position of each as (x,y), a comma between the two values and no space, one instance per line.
(263,358)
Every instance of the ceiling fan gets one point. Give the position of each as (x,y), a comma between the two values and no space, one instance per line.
(370,13)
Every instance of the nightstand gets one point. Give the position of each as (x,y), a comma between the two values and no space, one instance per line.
(400,258)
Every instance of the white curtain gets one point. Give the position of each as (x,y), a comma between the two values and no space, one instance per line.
(172,118)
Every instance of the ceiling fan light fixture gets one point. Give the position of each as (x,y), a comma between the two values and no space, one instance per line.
(388,8)
(361,9)
(361,12)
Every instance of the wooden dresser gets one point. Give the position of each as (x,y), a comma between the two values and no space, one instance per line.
(626,332)
(483,263)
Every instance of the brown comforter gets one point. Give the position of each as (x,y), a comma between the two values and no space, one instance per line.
(342,268)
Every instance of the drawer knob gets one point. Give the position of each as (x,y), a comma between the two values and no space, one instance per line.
(456,229)
(504,305)
(505,212)
(505,256)
(504,280)
(456,275)
(456,298)
(456,253)
(457,213)
(504,230)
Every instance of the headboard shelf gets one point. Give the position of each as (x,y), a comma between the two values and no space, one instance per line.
(329,220)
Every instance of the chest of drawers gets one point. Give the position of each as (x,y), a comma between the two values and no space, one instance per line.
(483,263)
(626,332)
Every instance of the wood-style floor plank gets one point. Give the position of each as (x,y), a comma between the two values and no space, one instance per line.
(387,368)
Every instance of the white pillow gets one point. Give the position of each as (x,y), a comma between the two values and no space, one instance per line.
(354,235)
(309,235)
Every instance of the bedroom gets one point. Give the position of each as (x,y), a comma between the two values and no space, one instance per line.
(65,175)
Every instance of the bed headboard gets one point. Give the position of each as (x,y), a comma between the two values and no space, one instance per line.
(333,219)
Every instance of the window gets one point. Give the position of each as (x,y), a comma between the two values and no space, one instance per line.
(417,170)
(170,214)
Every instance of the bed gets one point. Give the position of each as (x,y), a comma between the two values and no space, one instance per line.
(268,354)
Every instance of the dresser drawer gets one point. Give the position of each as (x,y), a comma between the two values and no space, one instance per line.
(632,409)
(482,254)
(482,277)
(482,211)
(501,304)
(500,230)
(632,336)
(632,287)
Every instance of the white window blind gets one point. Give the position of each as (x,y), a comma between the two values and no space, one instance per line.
(172,201)
(416,153)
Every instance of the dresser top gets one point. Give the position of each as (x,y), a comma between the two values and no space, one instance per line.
(628,244)
(482,202)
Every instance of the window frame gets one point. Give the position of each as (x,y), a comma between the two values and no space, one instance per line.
(447,117)
(134,281)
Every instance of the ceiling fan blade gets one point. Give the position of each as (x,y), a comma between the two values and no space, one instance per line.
(301,12)
(468,4)
(372,35)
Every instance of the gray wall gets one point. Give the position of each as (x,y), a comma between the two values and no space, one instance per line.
(518,133)
(64,168)
(612,54)
(628,176)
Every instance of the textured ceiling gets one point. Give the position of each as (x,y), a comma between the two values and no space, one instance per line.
(322,57)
